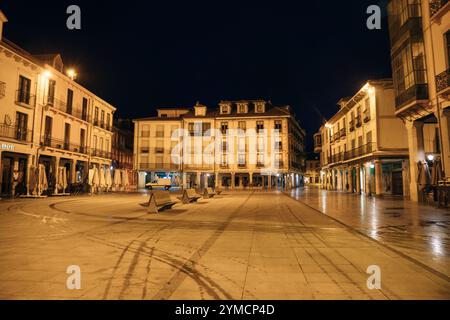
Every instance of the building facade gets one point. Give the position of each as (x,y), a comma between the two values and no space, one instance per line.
(420,40)
(364,145)
(122,145)
(240,144)
(312,171)
(48,119)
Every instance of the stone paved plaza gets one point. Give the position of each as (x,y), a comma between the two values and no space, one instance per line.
(241,245)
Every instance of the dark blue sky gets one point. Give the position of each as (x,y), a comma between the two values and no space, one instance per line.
(140,55)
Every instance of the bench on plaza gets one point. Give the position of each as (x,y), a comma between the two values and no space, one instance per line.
(189,196)
(208,193)
(159,201)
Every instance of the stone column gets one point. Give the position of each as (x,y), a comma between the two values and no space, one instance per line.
(406,178)
(29,164)
(358,179)
(197,180)
(378,178)
(445,138)
(184,182)
(217,181)
(251,179)
(206,180)
(350,179)
(416,154)
(73,171)
(269,181)
(55,166)
(233,181)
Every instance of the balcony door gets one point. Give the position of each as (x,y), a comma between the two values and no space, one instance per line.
(69,101)
(48,131)
(24,93)
(82,140)
(21,126)
(66,136)
(51,92)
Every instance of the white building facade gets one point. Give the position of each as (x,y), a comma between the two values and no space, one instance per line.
(46,118)
(240,144)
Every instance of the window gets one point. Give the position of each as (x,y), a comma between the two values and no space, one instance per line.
(160,131)
(82,140)
(24,94)
(69,104)
(225,109)
(260,160)
(367,110)
(447,42)
(48,131)
(100,147)
(242,108)
(21,126)
(96,116)
(260,108)
(206,129)
(51,92)
(108,121)
(278,145)
(241,160)
(102,119)
(259,127)
(145,133)
(95,143)
(84,110)
(242,126)
(278,126)
(66,136)
(224,127)
(369,141)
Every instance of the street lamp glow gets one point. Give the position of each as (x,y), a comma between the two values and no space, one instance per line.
(47,74)
(430,157)
(72,74)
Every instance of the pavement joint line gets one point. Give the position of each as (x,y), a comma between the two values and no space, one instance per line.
(401,254)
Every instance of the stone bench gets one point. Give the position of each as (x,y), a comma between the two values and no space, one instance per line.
(189,196)
(208,193)
(159,201)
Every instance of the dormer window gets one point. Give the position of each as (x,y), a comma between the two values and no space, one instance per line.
(242,108)
(260,107)
(225,109)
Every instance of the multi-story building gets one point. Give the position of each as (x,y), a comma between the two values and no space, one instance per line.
(47,118)
(420,38)
(122,145)
(312,171)
(364,145)
(238,145)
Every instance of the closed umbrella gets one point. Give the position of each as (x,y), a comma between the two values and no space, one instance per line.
(96,178)
(436,172)
(108,179)
(64,183)
(91,177)
(43,182)
(117,178)
(102,178)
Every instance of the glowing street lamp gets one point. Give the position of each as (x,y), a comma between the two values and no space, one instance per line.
(72,74)
(47,74)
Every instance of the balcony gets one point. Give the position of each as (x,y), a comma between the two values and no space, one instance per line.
(360,151)
(358,122)
(63,145)
(443,81)
(159,166)
(24,99)
(352,126)
(414,93)
(436,6)
(366,117)
(2,89)
(104,125)
(50,101)
(343,133)
(101,154)
(15,133)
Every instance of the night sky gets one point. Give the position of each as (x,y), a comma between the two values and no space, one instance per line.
(140,55)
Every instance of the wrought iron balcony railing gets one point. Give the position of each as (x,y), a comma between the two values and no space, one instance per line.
(101,154)
(443,81)
(436,5)
(15,133)
(63,145)
(360,151)
(25,98)
(51,101)
(159,166)
(343,133)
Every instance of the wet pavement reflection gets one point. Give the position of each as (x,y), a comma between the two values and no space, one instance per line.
(421,232)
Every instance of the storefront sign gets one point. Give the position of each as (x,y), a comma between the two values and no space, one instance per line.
(7,147)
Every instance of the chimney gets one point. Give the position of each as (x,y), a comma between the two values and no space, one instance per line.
(2,21)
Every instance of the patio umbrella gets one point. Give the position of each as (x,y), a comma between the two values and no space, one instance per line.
(91,177)
(102,177)
(96,178)
(117,178)
(108,179)
(32,182)
(424,173)
(125,182)
(64,178)
(43,182)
